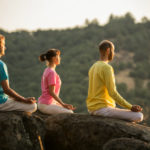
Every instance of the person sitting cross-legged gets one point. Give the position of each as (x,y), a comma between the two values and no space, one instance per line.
(49,102)
(102,94)
(9,99)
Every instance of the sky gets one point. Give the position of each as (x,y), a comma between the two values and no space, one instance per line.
(58,14)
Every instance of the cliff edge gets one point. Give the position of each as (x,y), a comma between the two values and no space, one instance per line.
(22,131)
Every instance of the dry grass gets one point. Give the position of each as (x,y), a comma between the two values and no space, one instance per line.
(123,77)
(124,56)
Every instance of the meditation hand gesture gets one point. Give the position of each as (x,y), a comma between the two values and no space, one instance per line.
(30,100)
(136,108)
(69,106)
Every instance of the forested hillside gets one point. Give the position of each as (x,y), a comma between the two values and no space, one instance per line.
(79,50)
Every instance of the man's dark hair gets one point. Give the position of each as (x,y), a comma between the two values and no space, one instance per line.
(104,45)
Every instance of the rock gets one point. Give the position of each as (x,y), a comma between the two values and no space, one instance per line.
(20,131)
(126,143)
(85,132)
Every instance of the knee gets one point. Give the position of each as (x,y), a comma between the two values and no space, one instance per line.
(70,111)
(66,111)
(32,108)
(41,107)
(139,117)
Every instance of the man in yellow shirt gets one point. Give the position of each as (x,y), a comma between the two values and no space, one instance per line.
(102,93)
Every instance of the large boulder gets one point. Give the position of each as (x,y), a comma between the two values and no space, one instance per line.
(21,131)
(85,132)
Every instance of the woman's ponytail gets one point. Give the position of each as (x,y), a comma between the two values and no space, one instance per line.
(49,54)
(42,57)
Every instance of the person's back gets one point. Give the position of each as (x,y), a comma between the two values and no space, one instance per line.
(46,98)
(98,96)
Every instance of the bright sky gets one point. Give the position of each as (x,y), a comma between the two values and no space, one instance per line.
(48,14)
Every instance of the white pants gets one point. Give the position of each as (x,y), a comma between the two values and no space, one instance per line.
(124,114)
(54,108)
(12,105)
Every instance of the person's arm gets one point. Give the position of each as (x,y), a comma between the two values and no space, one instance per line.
(51,79)
(110,84)
(10,92)
(52,93)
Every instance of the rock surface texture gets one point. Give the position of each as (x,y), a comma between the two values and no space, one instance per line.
(21,131)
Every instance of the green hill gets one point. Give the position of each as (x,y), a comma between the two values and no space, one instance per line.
(79,50)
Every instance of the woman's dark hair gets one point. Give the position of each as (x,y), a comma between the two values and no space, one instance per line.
(49,54)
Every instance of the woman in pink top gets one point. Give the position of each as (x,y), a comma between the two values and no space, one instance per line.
(49,102)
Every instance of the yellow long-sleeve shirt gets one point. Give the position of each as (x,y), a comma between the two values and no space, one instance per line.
(102,89)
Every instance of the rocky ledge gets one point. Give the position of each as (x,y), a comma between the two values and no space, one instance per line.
(21,131)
